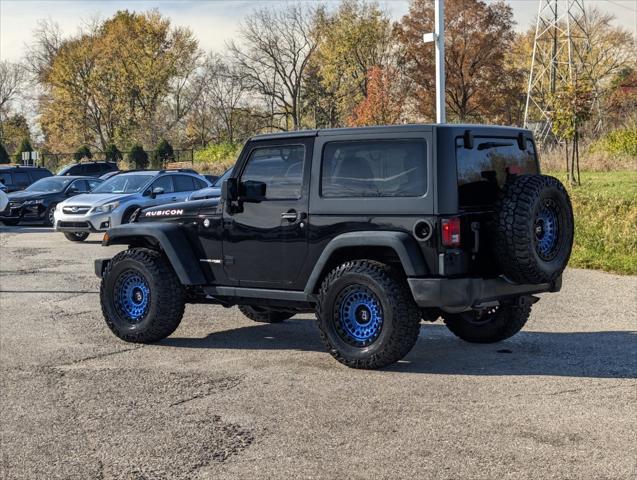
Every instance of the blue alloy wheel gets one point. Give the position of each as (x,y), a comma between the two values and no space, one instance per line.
(547,231)
(360,316)
(132,296)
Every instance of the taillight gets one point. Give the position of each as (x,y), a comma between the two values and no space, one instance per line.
(451,232)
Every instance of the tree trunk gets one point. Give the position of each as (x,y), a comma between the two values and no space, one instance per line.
(577,156)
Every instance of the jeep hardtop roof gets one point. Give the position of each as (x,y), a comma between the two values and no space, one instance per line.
(423,127)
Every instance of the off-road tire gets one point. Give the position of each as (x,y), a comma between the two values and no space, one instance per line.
(401,316)
(499,323)
(514,229)
(128,214)
(166,298)
(76,236)
(265,314)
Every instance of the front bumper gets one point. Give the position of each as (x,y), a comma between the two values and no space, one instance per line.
(92,223)
(458,294)
(24,212)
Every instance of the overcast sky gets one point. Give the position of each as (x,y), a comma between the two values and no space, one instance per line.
(212,21)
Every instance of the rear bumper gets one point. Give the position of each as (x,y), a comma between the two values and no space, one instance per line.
(464,293)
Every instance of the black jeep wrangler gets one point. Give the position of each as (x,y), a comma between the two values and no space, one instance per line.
(374,229)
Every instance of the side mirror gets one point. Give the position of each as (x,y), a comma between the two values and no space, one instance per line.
(72,191)
(156,191)
(252,191)
(229,190)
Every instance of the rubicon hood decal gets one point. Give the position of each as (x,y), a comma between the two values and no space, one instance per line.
(164,213)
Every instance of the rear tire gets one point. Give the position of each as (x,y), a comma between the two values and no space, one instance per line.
(141,296)
(265,314)
(489,325)
(76,236)
(367,317)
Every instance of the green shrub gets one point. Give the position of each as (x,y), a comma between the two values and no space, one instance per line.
(25,146)
(163,153)
(82,152)
(138,158)
(219,153)
(618,142)
(4,156)
(112,153)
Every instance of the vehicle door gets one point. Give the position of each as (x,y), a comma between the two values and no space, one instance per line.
(265,239)
(162,191)
(184,186)
(76,187)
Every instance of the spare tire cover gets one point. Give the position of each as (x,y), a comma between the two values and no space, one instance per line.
(533,230)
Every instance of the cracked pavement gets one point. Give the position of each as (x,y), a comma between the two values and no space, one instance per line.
(224,397)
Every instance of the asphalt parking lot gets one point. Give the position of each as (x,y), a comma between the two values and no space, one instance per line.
(227,398)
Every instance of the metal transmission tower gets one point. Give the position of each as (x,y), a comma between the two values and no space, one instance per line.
(559,54)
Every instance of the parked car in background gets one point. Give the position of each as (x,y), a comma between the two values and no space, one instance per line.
(89,169)
(211,192)
(108,175)
(116,200)
(16,177)
(38,200)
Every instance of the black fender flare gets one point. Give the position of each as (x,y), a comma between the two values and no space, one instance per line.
(405,246)
(172,241)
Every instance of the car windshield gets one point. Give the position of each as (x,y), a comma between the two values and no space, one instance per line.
(49,185)
(123,183)
(222,178)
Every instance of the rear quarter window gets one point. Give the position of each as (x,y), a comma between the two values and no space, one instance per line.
(483,170)
(383,168)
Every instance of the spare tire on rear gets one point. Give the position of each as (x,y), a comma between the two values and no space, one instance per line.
(533,229)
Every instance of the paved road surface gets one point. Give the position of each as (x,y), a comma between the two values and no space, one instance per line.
(228,398)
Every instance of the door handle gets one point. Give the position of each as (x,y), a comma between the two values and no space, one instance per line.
(290,215)
(174,198)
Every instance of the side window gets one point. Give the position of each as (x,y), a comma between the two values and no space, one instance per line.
(92,184)
(92,168)
(183,183)
(384,168)
(78,186)
(199,184)
(280,168)
(6,178)
(21,179)
(75,170)
(165,182)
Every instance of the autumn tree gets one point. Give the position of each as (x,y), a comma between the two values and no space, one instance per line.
(477,37)
(273,55)
(13,130)
(384,100)
(353,39)
(131,78)
(570,109)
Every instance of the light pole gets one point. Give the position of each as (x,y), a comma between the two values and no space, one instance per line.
(438,37)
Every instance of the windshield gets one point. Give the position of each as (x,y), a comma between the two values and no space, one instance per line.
(222,178)
(49,185)
(123,183)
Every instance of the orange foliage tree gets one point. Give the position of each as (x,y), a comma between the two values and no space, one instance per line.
(384,102)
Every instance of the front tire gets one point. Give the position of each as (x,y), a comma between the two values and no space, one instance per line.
(49,218)
(141,296)
(489,325)
(76,236)
(367,317)
(265,314)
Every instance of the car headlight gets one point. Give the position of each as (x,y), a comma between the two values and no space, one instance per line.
(33,202)
(107,207)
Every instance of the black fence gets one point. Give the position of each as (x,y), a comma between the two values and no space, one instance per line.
(55,161)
